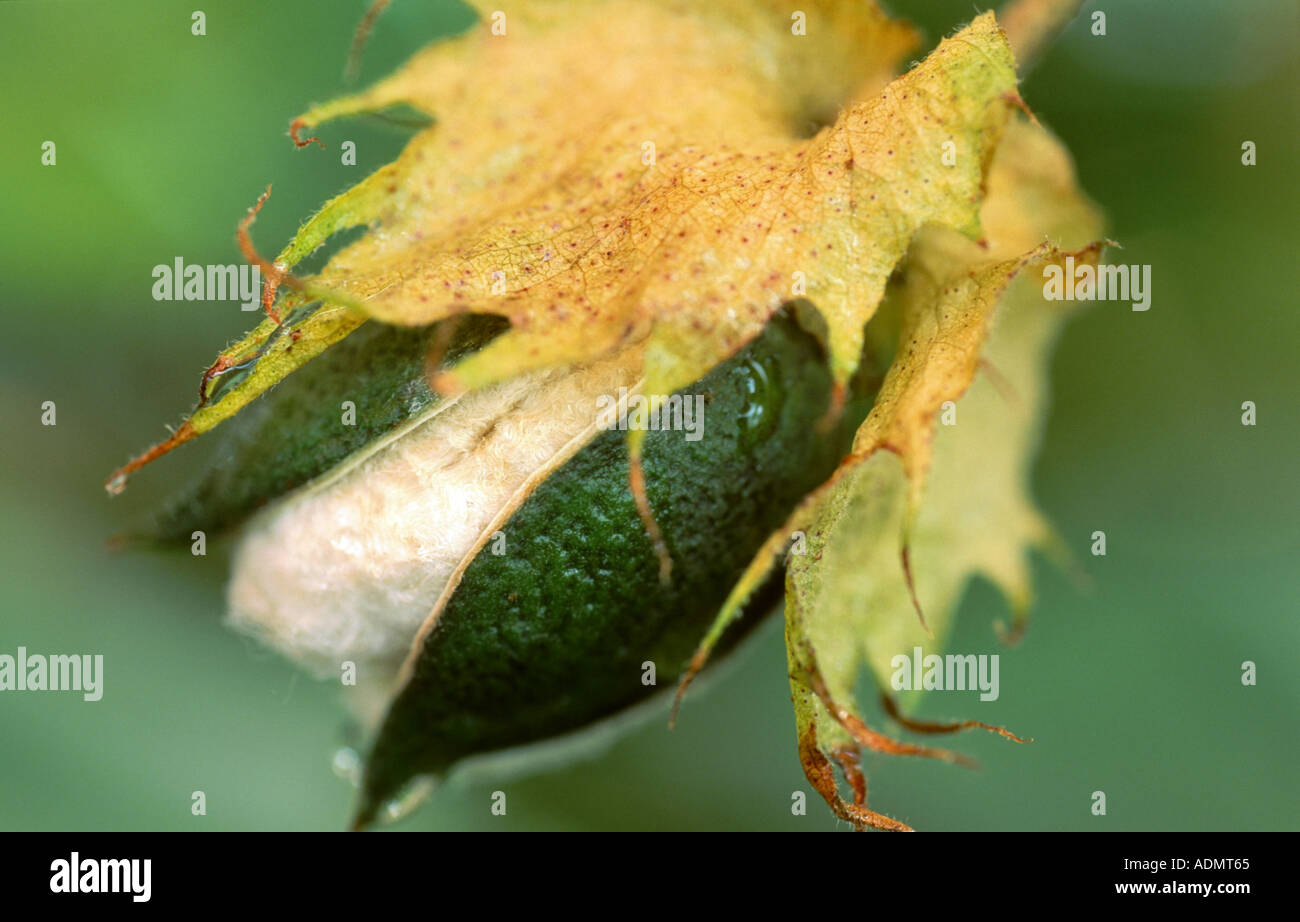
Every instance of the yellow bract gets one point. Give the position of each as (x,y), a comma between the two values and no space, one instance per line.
(607,172)
(923,507)
(628,168)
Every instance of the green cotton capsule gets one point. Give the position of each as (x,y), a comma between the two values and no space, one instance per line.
(553,616)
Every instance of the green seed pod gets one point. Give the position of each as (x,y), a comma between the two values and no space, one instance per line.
(481,561)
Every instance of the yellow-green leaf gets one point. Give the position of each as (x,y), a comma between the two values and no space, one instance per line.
(923,507)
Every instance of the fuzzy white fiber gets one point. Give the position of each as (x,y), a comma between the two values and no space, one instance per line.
(349,568)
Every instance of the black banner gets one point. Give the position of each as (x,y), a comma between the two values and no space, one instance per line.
(332,871)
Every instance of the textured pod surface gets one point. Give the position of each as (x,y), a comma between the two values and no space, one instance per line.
(553,633)
(293,434)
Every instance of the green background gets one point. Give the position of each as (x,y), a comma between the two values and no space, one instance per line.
(1130,686)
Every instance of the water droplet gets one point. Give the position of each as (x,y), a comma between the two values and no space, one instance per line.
(404,804)
(347,765)
(762,388)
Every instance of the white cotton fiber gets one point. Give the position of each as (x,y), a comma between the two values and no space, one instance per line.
(348,568)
